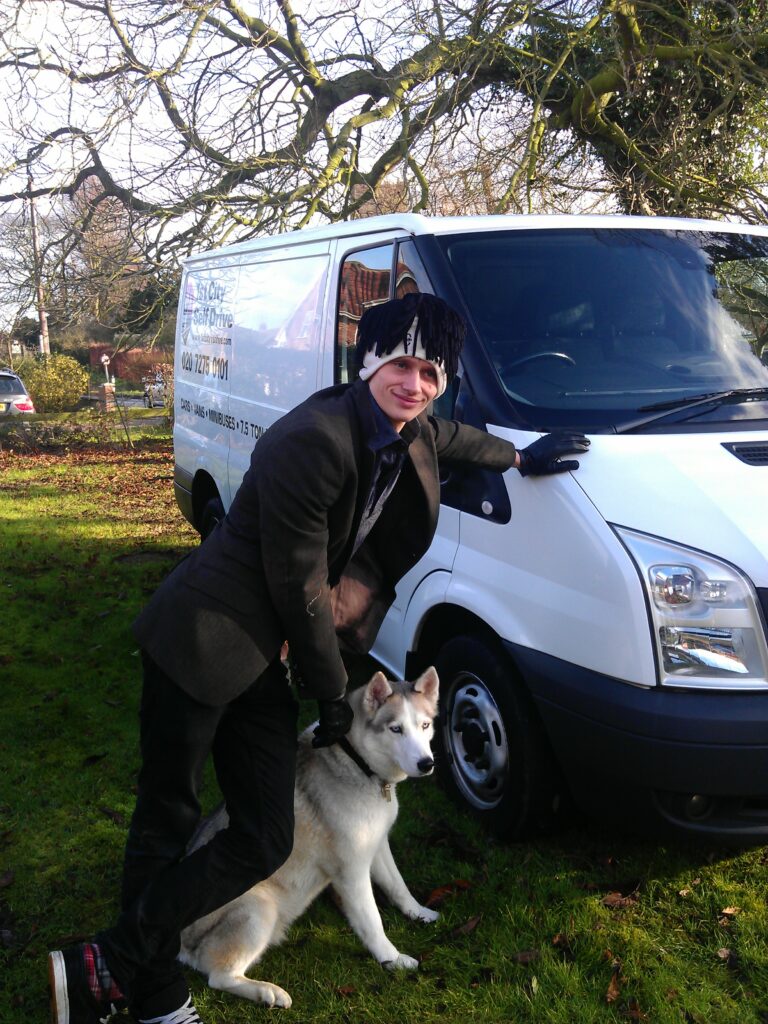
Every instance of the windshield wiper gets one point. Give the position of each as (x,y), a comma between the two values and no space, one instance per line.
(709,396)
(660,410)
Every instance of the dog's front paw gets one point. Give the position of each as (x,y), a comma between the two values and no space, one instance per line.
(425,915)
(401,963)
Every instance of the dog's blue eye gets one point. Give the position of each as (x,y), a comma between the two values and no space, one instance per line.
(395,728)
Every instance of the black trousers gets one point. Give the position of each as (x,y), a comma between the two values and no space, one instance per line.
(253,744)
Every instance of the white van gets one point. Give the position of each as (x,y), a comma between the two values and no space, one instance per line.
(600,633)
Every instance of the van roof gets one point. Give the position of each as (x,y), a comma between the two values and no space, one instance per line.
(419,224)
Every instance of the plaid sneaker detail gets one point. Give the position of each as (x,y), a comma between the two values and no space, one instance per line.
(101,983)
(82,989)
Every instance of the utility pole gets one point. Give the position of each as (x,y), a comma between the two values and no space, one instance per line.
(45,347)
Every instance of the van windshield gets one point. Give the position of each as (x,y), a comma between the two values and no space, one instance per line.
(587,327)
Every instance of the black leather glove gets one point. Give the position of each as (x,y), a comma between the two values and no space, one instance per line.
(335,720)
(543,456)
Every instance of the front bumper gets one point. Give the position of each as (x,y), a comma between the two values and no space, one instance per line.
(683,762)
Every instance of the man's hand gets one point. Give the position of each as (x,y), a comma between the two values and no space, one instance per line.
(543,456)
(335,720)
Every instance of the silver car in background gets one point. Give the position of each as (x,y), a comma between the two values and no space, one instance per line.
(14,397)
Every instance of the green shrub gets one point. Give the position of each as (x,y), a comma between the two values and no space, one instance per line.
(56,384)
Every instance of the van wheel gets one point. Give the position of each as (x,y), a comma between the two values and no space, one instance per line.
(213,513)
(492,758)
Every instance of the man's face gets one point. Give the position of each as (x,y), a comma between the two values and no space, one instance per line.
(403,388)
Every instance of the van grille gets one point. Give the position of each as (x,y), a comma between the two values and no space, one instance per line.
(752,454)
(762,597)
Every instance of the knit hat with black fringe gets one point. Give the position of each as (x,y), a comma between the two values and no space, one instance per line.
(419,325)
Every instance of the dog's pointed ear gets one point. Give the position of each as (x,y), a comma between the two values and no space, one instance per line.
(428,684)
(377,691)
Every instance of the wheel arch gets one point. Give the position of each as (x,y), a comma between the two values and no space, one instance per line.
(448,622)
(444,621)
(203,489)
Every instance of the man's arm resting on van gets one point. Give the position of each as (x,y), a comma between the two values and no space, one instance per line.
(459,442)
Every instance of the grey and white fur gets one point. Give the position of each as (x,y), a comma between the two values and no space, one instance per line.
(343,819)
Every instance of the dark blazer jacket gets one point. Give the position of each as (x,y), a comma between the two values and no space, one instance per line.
(279,566)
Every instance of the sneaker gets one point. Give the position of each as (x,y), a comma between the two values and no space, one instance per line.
(186,1014)
(81,989)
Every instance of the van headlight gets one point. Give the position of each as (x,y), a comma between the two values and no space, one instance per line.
(704,613)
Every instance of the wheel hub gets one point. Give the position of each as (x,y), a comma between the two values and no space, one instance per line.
(476,740)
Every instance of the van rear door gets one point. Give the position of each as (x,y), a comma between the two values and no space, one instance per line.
(203,369)
(276,339)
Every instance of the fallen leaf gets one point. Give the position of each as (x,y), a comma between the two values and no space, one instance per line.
(731,911)
(615,900)
(730,958)
(634,1012)
(614,986)
(684,892)
(438,896)
(468,927)
(562,942)
(346,991)
(116,816)
(526,956)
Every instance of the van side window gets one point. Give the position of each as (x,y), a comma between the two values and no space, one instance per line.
(364,281)
(410,275)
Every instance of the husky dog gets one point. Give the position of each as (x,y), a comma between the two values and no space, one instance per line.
(345,805)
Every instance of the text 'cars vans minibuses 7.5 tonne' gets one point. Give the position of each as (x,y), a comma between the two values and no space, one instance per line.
(599,633)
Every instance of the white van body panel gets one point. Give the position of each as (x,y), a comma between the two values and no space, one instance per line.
(554,577)
(686,488)
(423,588)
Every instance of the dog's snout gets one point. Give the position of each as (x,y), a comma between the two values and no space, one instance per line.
(425,765)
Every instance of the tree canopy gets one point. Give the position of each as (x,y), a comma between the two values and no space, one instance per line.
(213,120)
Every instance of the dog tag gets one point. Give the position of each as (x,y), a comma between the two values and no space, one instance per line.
(386,792)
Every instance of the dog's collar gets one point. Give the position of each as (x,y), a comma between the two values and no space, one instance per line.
(362,764)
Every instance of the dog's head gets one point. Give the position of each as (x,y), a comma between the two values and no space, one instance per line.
(394,725)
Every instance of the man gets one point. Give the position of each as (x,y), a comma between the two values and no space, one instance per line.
(340,501)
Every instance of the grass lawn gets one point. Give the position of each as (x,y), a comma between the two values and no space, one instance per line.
(587,926)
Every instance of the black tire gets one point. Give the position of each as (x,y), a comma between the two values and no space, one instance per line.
(491,756)
(213,513)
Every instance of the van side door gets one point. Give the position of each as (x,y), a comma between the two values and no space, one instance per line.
(368,276)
